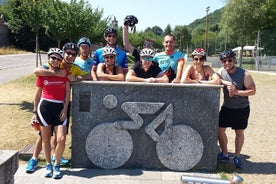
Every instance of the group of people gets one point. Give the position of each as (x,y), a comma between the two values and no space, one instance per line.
(52,97)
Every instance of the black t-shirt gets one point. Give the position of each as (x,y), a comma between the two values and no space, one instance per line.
(136,55)
(153,71)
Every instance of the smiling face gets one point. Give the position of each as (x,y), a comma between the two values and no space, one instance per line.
(111,39)
(54,60)
(228,63)
(198,60)
(169,43)
(109,59)
(69,56)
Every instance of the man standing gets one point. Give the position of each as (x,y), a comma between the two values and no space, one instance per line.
(84,61)
(234,113)
(170,61)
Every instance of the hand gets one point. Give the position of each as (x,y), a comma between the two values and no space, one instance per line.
(151,80)
(63,115)
(176,80)
(231,89)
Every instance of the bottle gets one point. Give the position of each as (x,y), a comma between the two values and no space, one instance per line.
(35,124)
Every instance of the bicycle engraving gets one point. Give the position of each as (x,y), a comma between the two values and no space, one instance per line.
(179,147)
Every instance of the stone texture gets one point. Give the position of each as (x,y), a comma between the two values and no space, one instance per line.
(149,119)
(8,166)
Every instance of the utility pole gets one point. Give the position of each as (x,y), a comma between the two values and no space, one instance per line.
(206,31)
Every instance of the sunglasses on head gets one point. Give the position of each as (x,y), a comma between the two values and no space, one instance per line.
(198,59)
(147,58)
(227,60)
(55,58)
(71,54)
(109,57)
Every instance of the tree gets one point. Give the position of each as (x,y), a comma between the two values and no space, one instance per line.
(183,37)
(241,20)
(33,13)
(168,30)
(64,23)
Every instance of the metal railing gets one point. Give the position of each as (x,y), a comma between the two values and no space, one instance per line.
(205,180)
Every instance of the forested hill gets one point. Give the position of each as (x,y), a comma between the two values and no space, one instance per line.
(213,21)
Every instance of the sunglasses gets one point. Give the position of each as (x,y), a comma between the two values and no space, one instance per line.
(147,59)
(227,60)
(109,57)
(111,36)
(198,59)
(71,54)
(55,58)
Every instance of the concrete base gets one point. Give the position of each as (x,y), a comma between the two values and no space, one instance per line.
(148,126)
(8,166)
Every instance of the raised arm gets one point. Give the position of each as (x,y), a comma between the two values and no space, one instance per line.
(126,42)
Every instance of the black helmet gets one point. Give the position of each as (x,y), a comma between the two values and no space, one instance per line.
(227,54)
(70,45)
(130,20)
(110,30)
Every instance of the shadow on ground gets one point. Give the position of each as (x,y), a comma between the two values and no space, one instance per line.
(248,167)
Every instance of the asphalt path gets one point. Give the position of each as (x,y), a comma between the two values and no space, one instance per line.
(18,65)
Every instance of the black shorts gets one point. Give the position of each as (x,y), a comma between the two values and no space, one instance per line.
(49,113)
(234,118)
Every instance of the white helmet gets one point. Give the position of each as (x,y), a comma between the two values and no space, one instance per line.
(109,51)
(147,52)
(55,51)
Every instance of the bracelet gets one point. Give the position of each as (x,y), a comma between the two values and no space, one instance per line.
(35,112)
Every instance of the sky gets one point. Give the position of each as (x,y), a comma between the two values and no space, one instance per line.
(157,12)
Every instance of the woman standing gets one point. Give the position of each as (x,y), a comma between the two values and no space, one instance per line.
(50,108)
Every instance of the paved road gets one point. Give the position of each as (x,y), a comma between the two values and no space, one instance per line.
(17,65)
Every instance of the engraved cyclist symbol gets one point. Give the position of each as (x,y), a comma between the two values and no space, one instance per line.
(109,145)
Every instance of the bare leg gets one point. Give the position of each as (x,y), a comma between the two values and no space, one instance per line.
(223,141)
(46,139)
(61,138)
(239,140)
(37,147)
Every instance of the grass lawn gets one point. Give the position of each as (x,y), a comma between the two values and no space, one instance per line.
(16,105)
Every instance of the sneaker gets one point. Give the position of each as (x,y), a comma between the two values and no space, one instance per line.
(32,165)
(223,158)
(63,161)
(237,162)
(48,170)
(57,172)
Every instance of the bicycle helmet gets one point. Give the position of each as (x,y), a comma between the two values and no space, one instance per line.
(227,54)
(110,30)
(147,52)
(109,51)
(130,20)
(199,51)
(84,40)
(71,46)
(55,51)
